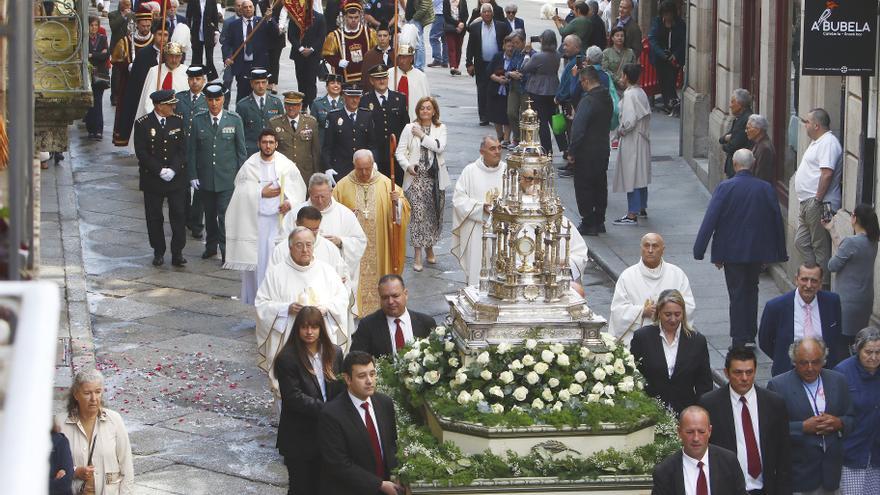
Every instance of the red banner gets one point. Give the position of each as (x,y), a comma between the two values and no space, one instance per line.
(301,13)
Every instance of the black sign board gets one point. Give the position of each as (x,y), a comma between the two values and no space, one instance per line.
(840,38)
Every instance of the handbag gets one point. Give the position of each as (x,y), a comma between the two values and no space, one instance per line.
(557,123)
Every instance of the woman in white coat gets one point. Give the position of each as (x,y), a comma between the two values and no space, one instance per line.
(633,170)
(420,153)
(98,439)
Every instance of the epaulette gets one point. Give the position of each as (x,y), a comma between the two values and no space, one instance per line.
(143,118)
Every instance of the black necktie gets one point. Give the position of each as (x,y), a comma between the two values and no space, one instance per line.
(261,103)
(162,122)
(248,49)
(214,125)
(332,104)
(293,124)
(351,116)
(382,101)
(195,97)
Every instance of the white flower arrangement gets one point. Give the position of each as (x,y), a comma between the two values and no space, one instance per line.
(449,346)
(537,404)
(415,368)
(506,377)
(520,393)
(477,395)
(453,362)
(599,374)
(557,348)
(532,378)
(531,344)
(463,397)
(528,360)
(440,331)
(609,390)
(585,352)
(553,382)
(575,389)
(593,398)
(564,395)
(460,379)
(580,376)
(598,388)
(503,348)
(556,407)
(547,356)
(483,358)
(563,360)
(547,395)
(541,368)
(516,365)
(486,375)
(496,408)
(608,402)
(432,377)
(496,391)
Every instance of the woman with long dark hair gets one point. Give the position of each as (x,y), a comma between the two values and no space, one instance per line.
(99,53)
(853,262)
(306,368)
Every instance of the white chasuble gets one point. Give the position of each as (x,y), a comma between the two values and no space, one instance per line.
(475,187)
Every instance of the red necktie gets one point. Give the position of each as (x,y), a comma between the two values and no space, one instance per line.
(754,459)
(398,336)
(403,85)
(166,84)
(702,485)
(374,440)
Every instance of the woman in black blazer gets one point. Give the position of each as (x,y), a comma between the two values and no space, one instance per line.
(690,375)
(304,391)
(98,56)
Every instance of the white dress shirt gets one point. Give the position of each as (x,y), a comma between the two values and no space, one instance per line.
(741,455)
(799,316)
(244,32)
(489,43)
(357,405)
(670,349)
(692,472)
(318,367)
(405,326)
(379,97)
(202,24)
(294,120)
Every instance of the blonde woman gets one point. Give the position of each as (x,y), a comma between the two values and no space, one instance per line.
(98,439)
(673,358)
(420,153)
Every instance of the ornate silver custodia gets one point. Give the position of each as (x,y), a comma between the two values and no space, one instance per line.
(524,289)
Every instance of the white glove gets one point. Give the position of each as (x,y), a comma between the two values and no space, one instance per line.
(167,174)
(343,64)
(216,37)
(195,184)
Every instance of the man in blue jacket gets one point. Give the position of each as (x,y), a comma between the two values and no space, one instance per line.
(745,224)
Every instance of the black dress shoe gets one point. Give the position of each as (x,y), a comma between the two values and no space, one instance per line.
(178,260)
(585,229)
(601,228)
(158,260)
(566,173)
(208,254)
(484,123)
(197,234)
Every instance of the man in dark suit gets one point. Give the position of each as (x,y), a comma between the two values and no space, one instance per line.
(389,117)
(820,413)
(391,327)
(682,473)
(598,35)
(794,315)
(347,130)
(751,422)
(358,434)
(203,20)
(276,42)
(478,56)
(160,144)
(736,139)
(745,224)
(512,20)
(255,52)
(305,51)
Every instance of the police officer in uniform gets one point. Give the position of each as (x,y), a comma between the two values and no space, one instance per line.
(327,103)
(159,143)
(215,151)
(347,130)
(257,108)
(297,135)
(190,103)
(389,117)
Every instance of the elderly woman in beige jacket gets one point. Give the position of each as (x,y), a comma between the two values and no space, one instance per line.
(633,168)
(420,154)
(98,439)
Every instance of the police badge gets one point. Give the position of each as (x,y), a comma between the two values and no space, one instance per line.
(339,122)
(153,132)
(371,107)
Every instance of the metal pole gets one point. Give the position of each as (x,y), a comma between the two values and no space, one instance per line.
(20,103)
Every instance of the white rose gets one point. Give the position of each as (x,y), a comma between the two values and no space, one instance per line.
(547,356)
(608,402)
(440,331)
(599,374)
(598,388)
(593,397)
(429,360)
(528,360)
(463,397)
(516,408)
(496,391)
(477,396)
(609,390)
(640,384)
(625,386)
(411,355)
(557,348)
(497,408)
(537,404)
(575,389)
(532,378)
(609,370)
(619,367)
(606,357)
(432,377)
(564,395)
(547,395)
(515,365)
(449,346)
(541,368)
(557,407)
(408,381)
(562,360)
(505,377)
(631,361)
(608,339)
(453,361)
(585,352)
(483,358)
(486,375)
(553,382)
(414,368)
(531,344)
(520,393)
(503,348)
(417,379)
(460,378)
(580,377)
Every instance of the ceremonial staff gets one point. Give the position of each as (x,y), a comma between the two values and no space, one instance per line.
(395,216)
(251,35)
(163,12)
(394,47)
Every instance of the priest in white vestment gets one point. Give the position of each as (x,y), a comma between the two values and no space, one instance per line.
(410,81)
(339,225)
(476,188)
(324,250)
(638,287)
(301,280)
(266,187)
(171,74)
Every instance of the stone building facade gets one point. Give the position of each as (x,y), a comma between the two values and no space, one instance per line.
(756,45)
